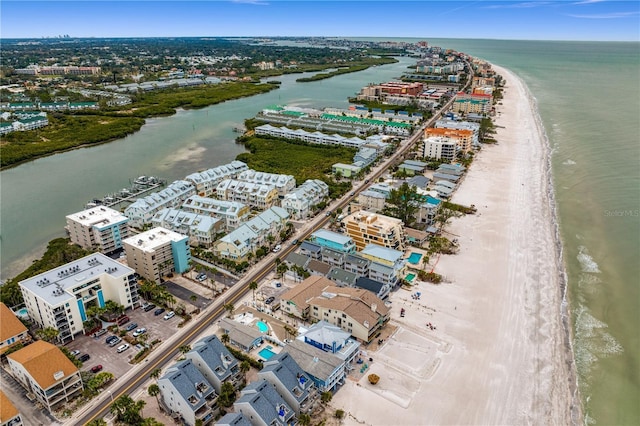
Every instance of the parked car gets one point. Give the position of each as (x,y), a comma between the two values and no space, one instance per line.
(201,277)
(110,339)
(149,307)
(277,248)
(115,341)
(158,311)
(123,348)
(132,326)
(100,333)
(294,242)
(169,315)
(269,300)
(353,193)
(96,368)
(123,320)
(75,353)
(84,357)
(139,332)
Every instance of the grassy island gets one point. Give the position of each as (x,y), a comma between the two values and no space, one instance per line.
(355,67)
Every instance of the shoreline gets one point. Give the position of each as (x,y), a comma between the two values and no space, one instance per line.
(506,354)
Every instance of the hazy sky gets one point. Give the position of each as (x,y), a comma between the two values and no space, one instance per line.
(542,20)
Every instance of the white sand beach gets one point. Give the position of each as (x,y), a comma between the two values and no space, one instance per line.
(498,355)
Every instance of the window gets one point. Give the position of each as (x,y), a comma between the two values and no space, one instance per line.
(350,324)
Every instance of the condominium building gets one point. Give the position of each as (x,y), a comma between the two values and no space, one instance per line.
(464,138)
(373,228)
(9,414)
(201,229)
(12,330)
(300,202)
(215,362)
(60,297)
(387,265)
(158,252)
(100,228)
(255,195)
(283,183)
(333,240)
(206,182)
(45,372)
(461,125)
(232,213)
(262,405)
(440,148)
(309,137)
(141,211)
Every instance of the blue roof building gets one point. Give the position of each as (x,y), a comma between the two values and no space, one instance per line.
(261,404)
(333,240)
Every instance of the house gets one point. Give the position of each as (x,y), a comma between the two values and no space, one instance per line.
(325,369)
(243,336)
(333,240)
(233,419)
(291,382)
(300,202)
(332,257)
(206,182)
(387,265)
(381,290)
(255,195)
(345,170)
(141,211)
(9,414)
(44,371)
(316,267)
(312,250)
(372,201)
(420,182)
(186,393)
(357,264)
(12,331)
(201,229)
(283,183)
(341,277)
(333,339)
(215,362)
(261,404)
(295,300)
(415,237)
(232,213)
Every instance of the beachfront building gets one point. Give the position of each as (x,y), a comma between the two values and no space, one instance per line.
(461,125)
(440,148)
(158,252)
(241,335)
(60,297)
(466,103)
(9,414)
(233,419)
(295,301)
(325,369)
(291,382)
(46,373)
(345,170)
(12,331)
(188,395)
(464,138)
(301,202)
(255,195)
(248,237)
(283,183)
(207,181)
(99,228)
(387,265)
(309,137)
(373,228)
(333,240)
(141,211)
(215,362)
(261,404)
(381,290)
(232,213)
(332,339)
(372,201)
(201,229)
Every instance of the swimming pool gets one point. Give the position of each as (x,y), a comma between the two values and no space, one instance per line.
(262,326)
(266,353)
(23,313)
(410,277)
(414,258)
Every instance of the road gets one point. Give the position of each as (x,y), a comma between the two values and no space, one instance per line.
(165,354)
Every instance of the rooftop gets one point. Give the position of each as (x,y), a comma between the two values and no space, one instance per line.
(99,217)
(7,410)
(152,239)
(10,325)
(45,362)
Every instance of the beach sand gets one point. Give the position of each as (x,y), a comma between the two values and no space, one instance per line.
(499,354)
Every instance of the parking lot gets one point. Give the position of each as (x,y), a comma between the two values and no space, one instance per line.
(107,356)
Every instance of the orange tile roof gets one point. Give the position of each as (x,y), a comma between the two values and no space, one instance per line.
(10,325)
(7,409)
(443,131)
(42,360)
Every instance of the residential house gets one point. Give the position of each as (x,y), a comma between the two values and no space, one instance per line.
(233,419)
(381,290)
(291,382)
(243,336)
(141,211)
(255,195)
(232,213)
(201,229)
(207,181)
(333,240)
(12,331)
(332,339)
(345,170)
(9,414)
(262,405)
(341,277)
(215,362)
(300,202)
(312,250)
(387,265)
(325,369)
(283,183)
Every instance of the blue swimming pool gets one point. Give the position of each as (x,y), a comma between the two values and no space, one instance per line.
(262,326)
(266,353)
(414,258)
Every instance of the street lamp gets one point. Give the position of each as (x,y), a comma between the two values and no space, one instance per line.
(111,395)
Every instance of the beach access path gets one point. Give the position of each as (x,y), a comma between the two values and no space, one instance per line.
(498,355)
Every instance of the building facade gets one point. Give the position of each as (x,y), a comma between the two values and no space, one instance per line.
(100,228)
(372,228)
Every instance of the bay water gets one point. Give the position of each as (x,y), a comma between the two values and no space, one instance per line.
(588,97)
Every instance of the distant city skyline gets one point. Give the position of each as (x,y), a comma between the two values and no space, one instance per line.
(596,20)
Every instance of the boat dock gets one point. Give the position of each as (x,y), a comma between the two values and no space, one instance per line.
(140,187)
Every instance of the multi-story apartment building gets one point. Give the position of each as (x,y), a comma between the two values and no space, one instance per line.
(440,148)
(47,373)
(141,211)
(215,362)
(461,125)
(100,228)
(373,228)
(201,229)
(291,382)
(309,137)
(300,202)
(206,182)
(255,195)
(60,297)
(157,252)
(12,330)
(187,393)
(333,240)
(260,403)
(283,183)
(387,265)
(325,369)
(464,138)
(472,103)
(231,212)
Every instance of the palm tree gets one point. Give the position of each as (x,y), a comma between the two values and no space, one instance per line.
(253,285)
(155,374)
(48,334)
(229,308)
(304,419)
(184,348)
(244,368)
(325,397)
(97,422)
(224,338)
(154,390)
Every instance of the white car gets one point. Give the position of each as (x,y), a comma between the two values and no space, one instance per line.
(123,348)
(139,332)
(75,353)
(277,248)
(169,315)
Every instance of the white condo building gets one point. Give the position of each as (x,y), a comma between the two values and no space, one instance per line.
(207,181)
(299,203)
(440,148)
(100,228)
(232,212)
(283,183)
(142,210)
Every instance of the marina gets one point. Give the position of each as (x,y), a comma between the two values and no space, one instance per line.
(140,186)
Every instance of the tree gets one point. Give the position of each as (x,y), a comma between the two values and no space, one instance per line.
(127,410)
(282,269)
(150,421)
(229,308)
(155,374)
(403,203)
(339,414)
(224,338)
(48,334)
(184,348)
(193,297)
(154,390)
(97,422)
(304,419)
(245,367)
(253,285)
(227,395)
(325,397)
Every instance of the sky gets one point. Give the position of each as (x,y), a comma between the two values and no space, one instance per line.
(599,20)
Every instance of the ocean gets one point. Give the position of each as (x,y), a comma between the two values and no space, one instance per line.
(588,96)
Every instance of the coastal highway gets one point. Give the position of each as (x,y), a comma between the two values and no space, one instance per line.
(167,353)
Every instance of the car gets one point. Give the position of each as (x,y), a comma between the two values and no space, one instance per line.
(96,368)
(353,193)
(269,300)
(100,333)
(169,315)
(158,311)
(139,332)
(278,284)
(123,348)
(328,214)
(115,341)
(132,326)
(149,307)
(84,357)
(294,242)
(277,248)
(201,277)
(75,353)
(366,181)
(110,339)
(123,320)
